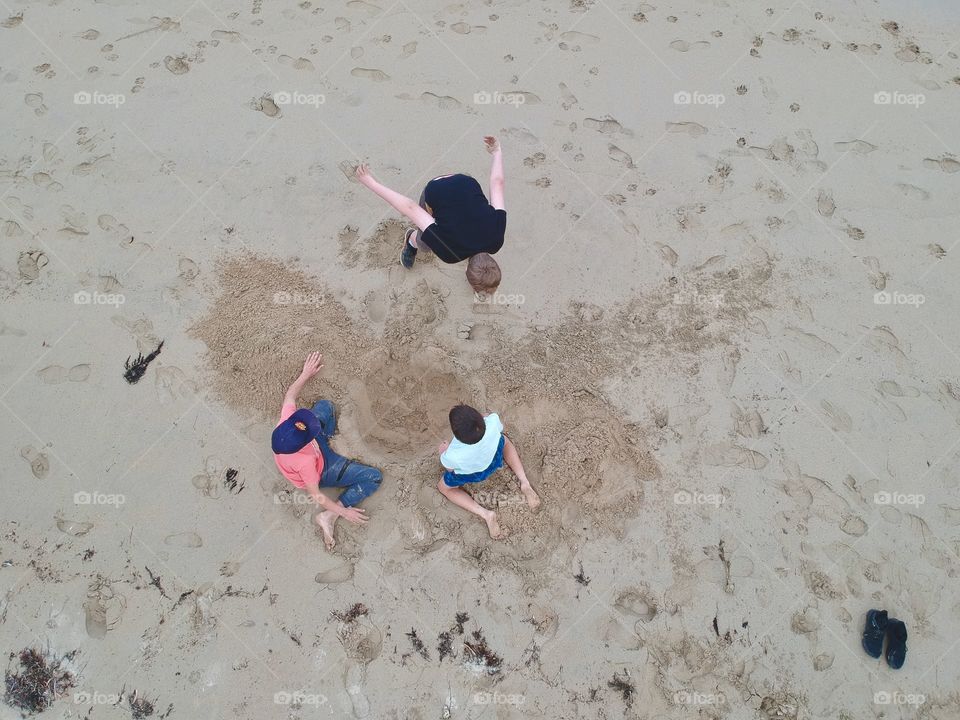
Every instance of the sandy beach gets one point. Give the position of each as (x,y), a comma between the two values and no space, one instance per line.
(725,345)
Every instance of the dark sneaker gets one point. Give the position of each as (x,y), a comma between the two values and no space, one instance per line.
(896,643)
(873,632)
(409,253)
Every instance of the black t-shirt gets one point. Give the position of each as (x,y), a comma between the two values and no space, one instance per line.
(464,222)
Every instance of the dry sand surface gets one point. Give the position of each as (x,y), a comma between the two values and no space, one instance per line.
(725,345)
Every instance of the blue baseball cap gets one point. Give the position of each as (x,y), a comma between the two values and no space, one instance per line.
(294,433)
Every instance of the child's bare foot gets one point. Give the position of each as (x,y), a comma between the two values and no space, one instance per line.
(327,520)
(493,525)
(533,500)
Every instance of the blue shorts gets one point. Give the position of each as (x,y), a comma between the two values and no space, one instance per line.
(453,480)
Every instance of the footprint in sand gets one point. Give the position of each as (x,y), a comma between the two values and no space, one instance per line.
(266,105)
(335,575)
(894,389)
(55,374)
(825,204)
(858,146)
(39,464)
(95,616)
(462,28)
(363,6)
(187,269)
(668,254)
(813,343)
(637,603)
(12,21)
(620,156)
(376,307)
(348,169)
(443,102)
(29,264)
(342,24)
(838,419)
(878,278)
(730,455)
(370,74)
(409,49)
(300,63)
(172,383)
(945,164)
(684,46)
(606,125)
(10,330)
(567,98)
(226,35)
(76,528)
(11,228)
(177,65)
(35,101)
(88,167)
(747,423)
(574,41)
(689,128)
(184,540)
(101,601)
(912,191)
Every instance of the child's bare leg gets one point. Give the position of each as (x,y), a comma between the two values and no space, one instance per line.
(512,458)
(462,499)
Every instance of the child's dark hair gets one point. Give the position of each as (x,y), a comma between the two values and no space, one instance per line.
(467,424)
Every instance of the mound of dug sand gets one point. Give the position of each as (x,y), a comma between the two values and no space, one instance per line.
(397,389)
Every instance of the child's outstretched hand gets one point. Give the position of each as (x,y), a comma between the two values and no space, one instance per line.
(493,145)
(312,365)
(364,175)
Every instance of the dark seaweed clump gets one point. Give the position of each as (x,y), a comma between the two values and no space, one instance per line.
(230,481)
(136,369)
(139,707)
(348,616)
(418,644)
(39,680)
(622,686)
(479,653)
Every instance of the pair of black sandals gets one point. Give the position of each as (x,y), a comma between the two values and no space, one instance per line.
(878,627)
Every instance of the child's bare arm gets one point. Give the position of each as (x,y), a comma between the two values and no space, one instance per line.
(496,172)
(401,203)
(311,367)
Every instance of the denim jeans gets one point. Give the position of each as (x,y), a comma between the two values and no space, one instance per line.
(358,480)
